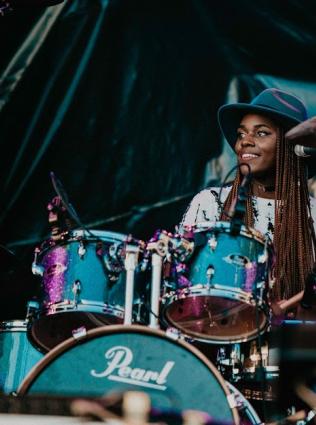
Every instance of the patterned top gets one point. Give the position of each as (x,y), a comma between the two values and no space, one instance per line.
(206,207)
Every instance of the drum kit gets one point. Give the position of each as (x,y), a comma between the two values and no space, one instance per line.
(183,317)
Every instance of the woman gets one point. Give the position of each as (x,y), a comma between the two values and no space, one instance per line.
(278,203)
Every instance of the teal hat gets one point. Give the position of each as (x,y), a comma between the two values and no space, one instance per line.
(283,107)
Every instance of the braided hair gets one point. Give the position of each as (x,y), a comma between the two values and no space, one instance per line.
(294,235)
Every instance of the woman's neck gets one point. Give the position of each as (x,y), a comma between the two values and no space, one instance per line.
(263,190)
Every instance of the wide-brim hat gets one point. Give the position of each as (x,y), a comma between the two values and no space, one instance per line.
(283,107)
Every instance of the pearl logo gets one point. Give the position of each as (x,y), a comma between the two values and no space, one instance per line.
(119,359)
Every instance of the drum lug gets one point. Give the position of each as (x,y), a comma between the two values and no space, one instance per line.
(81,250)
(212,243)
(32,310)
(173,333)
(79,333)
(76,289)
(37,269)
(231,398)
(210,271)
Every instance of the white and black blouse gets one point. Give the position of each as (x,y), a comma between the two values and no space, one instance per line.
(206,206)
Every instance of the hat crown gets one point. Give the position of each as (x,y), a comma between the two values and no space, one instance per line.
(281,102)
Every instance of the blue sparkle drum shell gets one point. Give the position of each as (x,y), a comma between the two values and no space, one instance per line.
(120,358)
(17,355)
(222,297)
(82,286)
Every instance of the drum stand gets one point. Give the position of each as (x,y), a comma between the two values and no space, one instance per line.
(159,249)
(131,260)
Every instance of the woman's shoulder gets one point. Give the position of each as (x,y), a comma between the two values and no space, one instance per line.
(312,201)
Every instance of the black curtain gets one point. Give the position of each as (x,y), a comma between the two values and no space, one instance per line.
(119,97)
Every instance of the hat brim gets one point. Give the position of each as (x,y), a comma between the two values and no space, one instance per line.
(230,115)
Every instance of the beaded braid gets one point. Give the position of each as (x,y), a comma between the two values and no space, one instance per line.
(294,235)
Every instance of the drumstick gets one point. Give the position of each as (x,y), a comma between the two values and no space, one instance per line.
(284,305)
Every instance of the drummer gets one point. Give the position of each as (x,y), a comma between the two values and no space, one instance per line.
(277,202)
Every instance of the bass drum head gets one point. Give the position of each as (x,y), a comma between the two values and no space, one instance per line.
(116,359)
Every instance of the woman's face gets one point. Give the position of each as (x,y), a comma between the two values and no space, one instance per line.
(256,146)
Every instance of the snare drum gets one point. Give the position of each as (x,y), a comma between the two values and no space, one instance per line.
(82,286)
(221,296)
(17,355)
(116,359)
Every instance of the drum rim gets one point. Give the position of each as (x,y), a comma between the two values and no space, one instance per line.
(122,237)
(114,329)
(77,235)
(247,231)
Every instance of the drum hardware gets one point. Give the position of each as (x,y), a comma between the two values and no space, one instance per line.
(131,260)
(166,252)
(37,269)
(246,411)
(158,246)
(32,310)
(79,333)
(81,250)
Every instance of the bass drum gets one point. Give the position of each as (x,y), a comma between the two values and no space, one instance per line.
(119,358)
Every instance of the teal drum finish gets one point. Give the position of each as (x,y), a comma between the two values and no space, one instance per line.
(82,284)
(220,294)
(17,355)
(116,359)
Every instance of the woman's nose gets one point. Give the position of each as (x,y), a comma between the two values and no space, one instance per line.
(247,140)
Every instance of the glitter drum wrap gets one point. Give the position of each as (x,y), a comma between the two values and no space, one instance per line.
(224,299)
(83,286)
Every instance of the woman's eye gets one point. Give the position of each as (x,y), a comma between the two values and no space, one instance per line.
(262,133)
(240,135)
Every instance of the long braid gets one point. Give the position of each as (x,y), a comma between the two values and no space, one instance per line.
(231,200)
(295,257)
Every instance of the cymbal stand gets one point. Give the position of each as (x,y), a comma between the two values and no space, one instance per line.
(131,260)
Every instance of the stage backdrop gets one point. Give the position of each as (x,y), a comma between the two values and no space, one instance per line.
(118,98)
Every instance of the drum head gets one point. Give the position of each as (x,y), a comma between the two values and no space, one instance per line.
(117,359)
(216,319)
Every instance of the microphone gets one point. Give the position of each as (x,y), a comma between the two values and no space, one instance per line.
(304,151)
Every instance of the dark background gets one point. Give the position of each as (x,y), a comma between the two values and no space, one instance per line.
(119,98)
